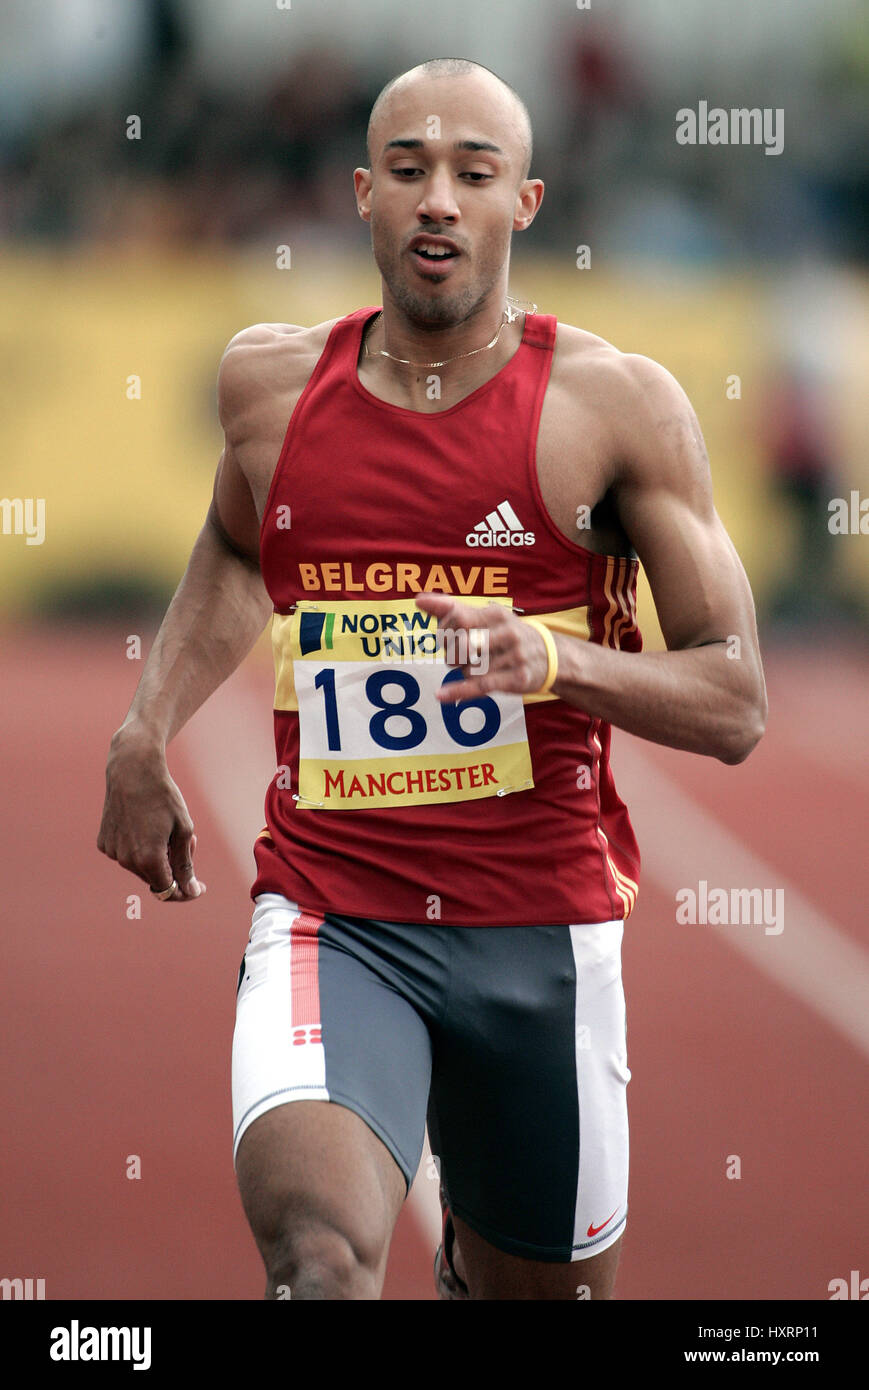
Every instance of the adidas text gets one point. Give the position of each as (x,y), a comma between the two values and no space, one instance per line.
(500,538)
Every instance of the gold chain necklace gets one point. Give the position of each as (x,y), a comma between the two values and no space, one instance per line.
(509,315)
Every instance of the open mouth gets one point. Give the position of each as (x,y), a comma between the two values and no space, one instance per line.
(434,253)
(431,253)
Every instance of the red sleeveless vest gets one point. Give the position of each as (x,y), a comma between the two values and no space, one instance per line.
(385,802)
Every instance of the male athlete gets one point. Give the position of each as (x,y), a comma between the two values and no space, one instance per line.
(446,867)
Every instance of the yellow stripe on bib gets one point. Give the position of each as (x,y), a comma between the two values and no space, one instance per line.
(393,632)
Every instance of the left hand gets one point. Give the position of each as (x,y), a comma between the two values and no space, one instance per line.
(509,655)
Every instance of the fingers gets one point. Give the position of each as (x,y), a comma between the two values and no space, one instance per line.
(501,652)
(439,604)
(488,646)
(182,847)
(451,612)
(168,894)
(473,687)
(516,662)
(160,865)
(154,868)
(146,827)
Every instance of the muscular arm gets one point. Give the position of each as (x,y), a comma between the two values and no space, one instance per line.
(218,611)
(706,693)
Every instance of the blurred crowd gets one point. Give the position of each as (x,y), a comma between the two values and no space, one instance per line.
(215,163)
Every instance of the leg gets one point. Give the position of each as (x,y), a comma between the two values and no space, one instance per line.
(330,1071)
(528,1112)
(322,1194)
(492,1273)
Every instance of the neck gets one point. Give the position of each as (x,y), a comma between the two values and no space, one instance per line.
(428,388)
(423,343)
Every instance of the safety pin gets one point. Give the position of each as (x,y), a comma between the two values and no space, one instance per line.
(505,791)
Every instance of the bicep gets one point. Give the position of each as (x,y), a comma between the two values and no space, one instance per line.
(252,368)
(698,583)
(665,504)
(233,511)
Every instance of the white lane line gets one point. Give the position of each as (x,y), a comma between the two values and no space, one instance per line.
(681,843)
(230,745)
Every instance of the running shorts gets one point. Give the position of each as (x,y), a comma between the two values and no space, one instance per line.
(509,1042)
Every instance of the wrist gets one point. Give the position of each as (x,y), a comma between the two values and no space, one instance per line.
(139,734)
(551,656)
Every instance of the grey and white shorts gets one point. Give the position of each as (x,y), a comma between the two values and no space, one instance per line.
(509,1041)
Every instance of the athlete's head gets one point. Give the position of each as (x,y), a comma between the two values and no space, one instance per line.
(449,148)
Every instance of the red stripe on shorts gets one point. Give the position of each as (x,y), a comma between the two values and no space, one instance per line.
(304,978)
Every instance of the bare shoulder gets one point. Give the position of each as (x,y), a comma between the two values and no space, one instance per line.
(639,402)
(267,358)
(623,378)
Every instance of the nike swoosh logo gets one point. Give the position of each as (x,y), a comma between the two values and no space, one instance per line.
(596,1230)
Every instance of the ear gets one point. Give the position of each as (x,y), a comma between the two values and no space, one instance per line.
(362,184)
(528,200)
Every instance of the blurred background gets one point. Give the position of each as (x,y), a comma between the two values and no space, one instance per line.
(144,255)
(154,155)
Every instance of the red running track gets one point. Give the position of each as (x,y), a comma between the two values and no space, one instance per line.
(115,1038)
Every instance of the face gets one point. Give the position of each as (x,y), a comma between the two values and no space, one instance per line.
(444,195)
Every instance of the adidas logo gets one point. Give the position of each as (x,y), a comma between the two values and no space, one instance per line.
(501,527)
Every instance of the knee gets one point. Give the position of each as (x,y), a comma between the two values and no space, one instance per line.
(311,1260)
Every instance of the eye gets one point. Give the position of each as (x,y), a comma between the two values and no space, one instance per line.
(405,170)
(476,175)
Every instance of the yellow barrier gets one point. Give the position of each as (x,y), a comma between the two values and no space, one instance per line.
(126,480)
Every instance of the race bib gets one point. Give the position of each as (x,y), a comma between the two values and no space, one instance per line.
(371,730)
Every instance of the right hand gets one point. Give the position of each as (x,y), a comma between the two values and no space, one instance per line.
(146,826)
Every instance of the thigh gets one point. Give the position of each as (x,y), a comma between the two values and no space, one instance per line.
(528,1109)
(312,1170)
(491,1273)
(330,1074)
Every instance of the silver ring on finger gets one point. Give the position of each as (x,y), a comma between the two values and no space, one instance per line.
(164,893)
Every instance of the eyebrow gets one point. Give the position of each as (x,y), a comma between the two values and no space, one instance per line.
(414,144)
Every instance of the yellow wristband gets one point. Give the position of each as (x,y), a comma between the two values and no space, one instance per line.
(551,652)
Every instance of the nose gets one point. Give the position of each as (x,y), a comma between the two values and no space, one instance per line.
(438,203)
